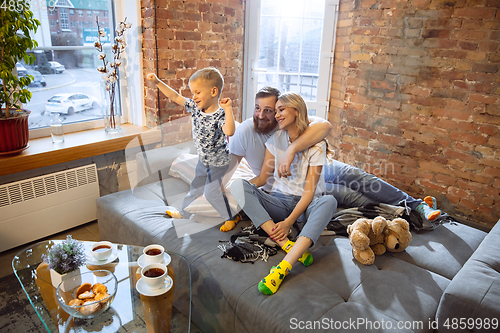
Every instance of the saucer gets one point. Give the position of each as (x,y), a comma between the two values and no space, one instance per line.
(142,260)
(146,290)
(91,260)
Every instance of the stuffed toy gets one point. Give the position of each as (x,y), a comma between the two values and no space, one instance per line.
(374,237)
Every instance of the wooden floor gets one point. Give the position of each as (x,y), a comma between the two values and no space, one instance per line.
(87,232)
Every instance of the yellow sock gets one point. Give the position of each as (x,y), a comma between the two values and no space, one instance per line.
(174,214)
(306,259)
(270,284)
(230,224)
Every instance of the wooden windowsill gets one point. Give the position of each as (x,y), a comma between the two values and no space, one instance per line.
(42,152)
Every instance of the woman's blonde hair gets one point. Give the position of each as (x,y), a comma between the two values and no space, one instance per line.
(294,100)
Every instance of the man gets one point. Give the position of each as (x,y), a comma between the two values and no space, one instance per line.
(352,187)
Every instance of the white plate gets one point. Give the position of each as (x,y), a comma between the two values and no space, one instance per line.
(91,260)
(146,290)
(142,260)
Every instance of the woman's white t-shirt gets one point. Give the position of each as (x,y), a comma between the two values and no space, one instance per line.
(313,156)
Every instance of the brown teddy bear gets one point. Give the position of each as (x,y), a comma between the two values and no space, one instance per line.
(373,237)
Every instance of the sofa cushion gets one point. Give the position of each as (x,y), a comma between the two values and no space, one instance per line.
(184,168)
(474,293)
(444,250)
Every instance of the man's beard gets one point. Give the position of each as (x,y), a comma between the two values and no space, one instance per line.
(263,127)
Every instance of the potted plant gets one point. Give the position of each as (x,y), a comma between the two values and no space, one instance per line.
(16,24)
(65,259)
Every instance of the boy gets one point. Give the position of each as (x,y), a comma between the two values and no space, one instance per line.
(212,120)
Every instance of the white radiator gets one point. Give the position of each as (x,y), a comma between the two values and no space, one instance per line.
(34,208)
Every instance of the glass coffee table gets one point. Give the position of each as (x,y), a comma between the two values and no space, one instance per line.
(129,312)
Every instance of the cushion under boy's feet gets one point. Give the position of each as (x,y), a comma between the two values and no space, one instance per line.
(173,214)
(427,212)
(270,284)
(230,224)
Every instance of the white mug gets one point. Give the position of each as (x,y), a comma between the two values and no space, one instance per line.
(153,258)
(101,250)
(154,275)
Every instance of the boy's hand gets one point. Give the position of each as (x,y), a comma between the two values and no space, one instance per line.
(152,77)
(225,102)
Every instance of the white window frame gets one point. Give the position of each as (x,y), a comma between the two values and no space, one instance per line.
(64,17)
(252,24)
(131,80)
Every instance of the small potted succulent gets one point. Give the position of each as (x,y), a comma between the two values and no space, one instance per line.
(16,24)
(65,259)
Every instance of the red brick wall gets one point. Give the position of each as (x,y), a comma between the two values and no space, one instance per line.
(416,99)
(192,34)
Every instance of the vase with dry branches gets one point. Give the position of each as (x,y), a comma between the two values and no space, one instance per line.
(109,70)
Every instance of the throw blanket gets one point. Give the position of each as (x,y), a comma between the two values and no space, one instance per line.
(249,245)
(344,218)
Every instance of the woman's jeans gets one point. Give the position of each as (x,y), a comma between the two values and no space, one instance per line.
(261,207)
(352,187)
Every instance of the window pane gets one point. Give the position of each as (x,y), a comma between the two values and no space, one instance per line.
(268,43)
(67,81)
(290,45)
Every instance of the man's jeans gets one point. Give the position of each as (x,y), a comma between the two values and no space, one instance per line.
(352,187)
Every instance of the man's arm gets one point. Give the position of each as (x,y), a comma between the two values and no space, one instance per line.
(173,95)
(317,130)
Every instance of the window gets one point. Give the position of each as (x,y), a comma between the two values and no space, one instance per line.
(72,12)
(89,13)
(80,13)
(290,46)
(105,14)
(68,62)
(63,15)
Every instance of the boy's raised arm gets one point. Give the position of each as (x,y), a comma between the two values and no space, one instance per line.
(173,95)
(229,127)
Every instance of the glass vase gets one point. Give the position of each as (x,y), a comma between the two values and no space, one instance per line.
(111,110)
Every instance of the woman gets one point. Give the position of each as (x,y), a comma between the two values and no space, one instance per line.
(297,198)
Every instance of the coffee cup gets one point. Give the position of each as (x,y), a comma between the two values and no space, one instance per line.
(101,250)
(154,275)
(153,254)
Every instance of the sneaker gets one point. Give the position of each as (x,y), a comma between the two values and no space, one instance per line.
(431,201)
(427,212)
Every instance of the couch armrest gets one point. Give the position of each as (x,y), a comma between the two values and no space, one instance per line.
(475,291)
(152,163)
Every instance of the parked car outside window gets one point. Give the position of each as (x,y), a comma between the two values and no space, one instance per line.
(38,79)
(70,103)
(57,67)
(21,70)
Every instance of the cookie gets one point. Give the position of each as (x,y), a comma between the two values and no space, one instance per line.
(99,288)
(98,297)
(86,295)
(83,288)
(75,302)
(90,308)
